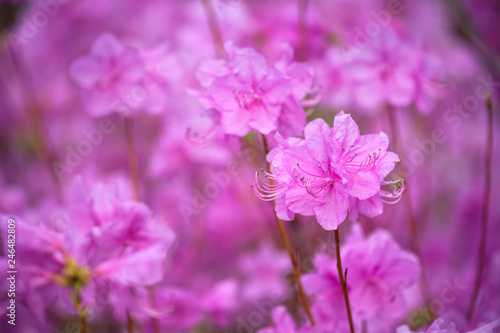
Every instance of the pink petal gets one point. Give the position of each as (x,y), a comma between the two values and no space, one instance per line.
(345,128)
(316,126)
(86,71)
(107,46)
(331,209)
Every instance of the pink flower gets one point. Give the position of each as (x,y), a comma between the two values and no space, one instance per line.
(320,174)
(103,237)
(437,326)
(265,273)
(325,288)
(378,273)
(392,71)
(111,73)
(221,300)
(282,322)
(252,95)
(178,308)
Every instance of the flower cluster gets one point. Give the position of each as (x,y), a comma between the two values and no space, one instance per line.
(249,166)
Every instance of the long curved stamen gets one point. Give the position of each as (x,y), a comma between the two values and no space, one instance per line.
(438,88)
(394,196)
(204,138)
(313,98)
(266,191)
(318,185)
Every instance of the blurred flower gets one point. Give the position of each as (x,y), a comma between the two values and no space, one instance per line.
(111,74)
(251,94)
(378,273)
(264,273)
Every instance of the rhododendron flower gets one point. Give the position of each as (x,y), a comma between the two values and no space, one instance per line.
(265,273)
(111,74)
(252,95)
(318,175)
(378,272)
(392,71)
(439,326)
(107,238)
(249,82)
(282,322)
(221,300)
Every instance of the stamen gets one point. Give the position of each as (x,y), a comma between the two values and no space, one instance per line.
(312,99)
(247,99)
(266,191)
(204,138)
(394,196)
(369,162)
(307,172)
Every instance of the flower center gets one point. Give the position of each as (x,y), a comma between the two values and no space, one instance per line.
(246,99)
(317,182)
(354,165)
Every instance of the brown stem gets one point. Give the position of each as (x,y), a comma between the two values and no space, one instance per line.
(410,215)
(214,29)
(152,302)
(130,323)
(134,176)
(342,281)
(296,270)
(77,300)
(132,158)
(298,234)
(302,30)
(35,116)
(83,324)
(467,30)
(481,255)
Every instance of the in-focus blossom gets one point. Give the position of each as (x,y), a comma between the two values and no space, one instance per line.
(319,174)
(242,79)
